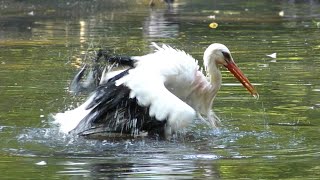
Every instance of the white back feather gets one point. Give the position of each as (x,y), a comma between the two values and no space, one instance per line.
(147,83)
(69,120)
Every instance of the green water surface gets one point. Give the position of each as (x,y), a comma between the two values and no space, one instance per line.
(42,43)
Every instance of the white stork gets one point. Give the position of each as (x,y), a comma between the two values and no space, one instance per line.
(159,94)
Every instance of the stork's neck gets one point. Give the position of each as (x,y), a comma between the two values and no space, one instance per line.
(204,91)
(211,91)
(215,79)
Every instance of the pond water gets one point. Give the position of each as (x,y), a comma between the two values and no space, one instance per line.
(42,43)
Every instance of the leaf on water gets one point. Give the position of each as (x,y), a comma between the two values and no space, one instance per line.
(317,23)
(213,25)
(273,55)
(31,13)
(41,163)
(281,13)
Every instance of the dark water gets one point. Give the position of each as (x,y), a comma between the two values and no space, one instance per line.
(276,137)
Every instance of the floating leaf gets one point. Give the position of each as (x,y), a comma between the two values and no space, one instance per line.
(317,23)
(281,13)
(41,163)
(213,25)
(273,55)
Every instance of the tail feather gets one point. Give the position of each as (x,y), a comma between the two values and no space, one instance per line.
(68,120)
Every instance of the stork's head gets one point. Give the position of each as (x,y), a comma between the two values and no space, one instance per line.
(218,54)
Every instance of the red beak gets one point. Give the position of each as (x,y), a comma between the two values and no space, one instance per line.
(234,69)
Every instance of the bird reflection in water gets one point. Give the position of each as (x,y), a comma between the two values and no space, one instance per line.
(161,23)
(168,2)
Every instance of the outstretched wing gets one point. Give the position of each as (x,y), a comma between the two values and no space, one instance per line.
(148,88)
(135,106)
(137,99)
(113,111)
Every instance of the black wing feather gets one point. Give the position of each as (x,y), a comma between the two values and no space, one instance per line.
(114,111)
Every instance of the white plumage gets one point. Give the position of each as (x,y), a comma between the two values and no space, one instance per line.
(168,84)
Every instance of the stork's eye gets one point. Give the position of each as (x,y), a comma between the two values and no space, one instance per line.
(227,56)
